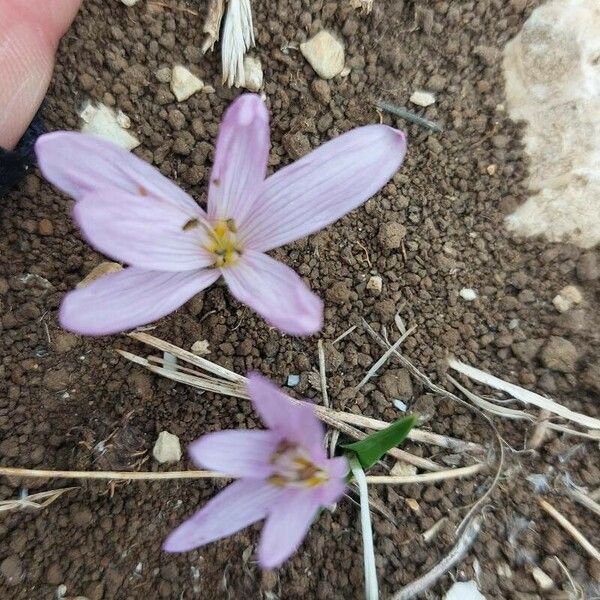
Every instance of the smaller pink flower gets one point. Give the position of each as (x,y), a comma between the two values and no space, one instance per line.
(175,249)
(285,477)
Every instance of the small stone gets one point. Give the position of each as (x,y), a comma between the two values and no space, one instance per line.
(167,448)
(296,145)
(402,469)
(184,83)
(375,284)
(391,235)
(436,83)
(164,74)
(421,98)
(63,341)
(45,227)
(129,2)
(293,380)
(464,590)
(200,348)
(104,268)
(12,570)
(396,383)
(321,91)
(559,354)
(491,169)
(123,120)
(253,73)
(401,406)
(588,268)
(325,53)
(591,377)
(468,294)
(543,581)
(54,575)
(526,351)
(567,298)
(103,122)
(338,293)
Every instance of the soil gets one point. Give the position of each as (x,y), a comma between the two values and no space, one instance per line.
(433,230)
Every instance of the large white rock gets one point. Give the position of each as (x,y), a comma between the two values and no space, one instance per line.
(184,83)
(167,448)
(422,98)
(102,121)
(253,74)
(464,590)
(553,83)
(325,53)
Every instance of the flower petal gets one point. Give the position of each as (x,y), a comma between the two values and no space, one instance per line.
(241,158)
(276,293)
(322,186)
(296,422)
(239,453)
(79,164)
(287,525)
(240,504)
(143,231)
(133,297)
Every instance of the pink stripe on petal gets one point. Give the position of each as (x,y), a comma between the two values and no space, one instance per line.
(322,186)
(241,158)
(143,231)
(276,293)
(240,504)
(122,301)
(80,164)
(287,525)
(239,453)
(296,422)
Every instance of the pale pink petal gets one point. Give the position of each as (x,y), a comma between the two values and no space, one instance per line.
(286,526)
(239,453)
(79,164)
(241,156)
(240,504)
(276,293)
(322,186)
(143,231)
(330,492)
(296,422)
(133,297)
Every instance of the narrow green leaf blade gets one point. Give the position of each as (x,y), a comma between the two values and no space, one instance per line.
(372,448)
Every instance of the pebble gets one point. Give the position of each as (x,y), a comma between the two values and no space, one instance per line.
(568,297)
(12,570)
(321,91)
(325,53)
(253,73)
(103,122)
(129,2)
(559,354)
(588,267)
(184,83)
(402,469)
(167,448)
(391,234)
(293,380)
(163,75)
(375,284)
(200,348)
(468,294)
(421,98)
(543,581)
(591,376)
(464,590)
(45,227)
(104,268)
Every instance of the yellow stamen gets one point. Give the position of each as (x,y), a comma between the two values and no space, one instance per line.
(223,243)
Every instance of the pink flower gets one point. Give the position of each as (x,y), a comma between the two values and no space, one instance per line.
(130,212)
(285,478)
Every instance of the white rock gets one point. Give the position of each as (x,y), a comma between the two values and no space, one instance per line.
(544,582)
(464,590)
(184,83)
(253,74)
(553,83)
(421,98)
(200,348)
(167,448)
(104,268)
(325,53)
(102,121)
(468,294)
(375,284)
(123,120)
(402,469)
(129,2)
(567,298)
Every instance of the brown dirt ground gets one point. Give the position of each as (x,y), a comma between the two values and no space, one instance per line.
(61,394)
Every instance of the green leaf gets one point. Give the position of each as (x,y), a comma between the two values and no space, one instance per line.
(372,448)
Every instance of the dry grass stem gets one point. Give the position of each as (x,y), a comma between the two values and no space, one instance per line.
(322,374)
(432,532)
(525,396)
(212,24)
(582,498)
(539,433)
(36,501)
(570,529)
(428,477)
(454,557)
(343,335)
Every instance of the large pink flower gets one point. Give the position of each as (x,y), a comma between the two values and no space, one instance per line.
(129,211)
(285,477)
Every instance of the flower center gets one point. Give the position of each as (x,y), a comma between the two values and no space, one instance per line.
(293,466)
(223,243)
